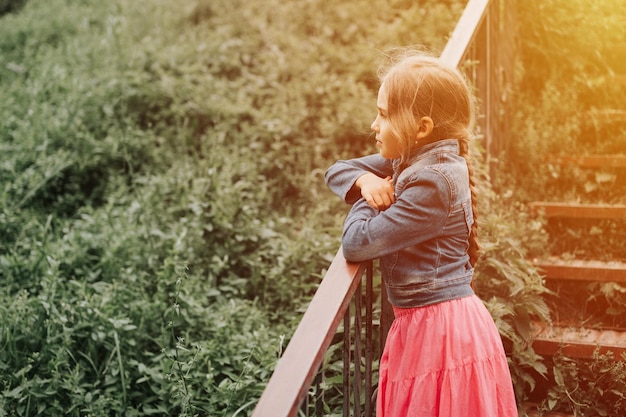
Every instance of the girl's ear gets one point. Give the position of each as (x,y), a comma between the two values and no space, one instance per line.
(425,127)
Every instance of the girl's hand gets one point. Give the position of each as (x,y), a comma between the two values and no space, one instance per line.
(378,192)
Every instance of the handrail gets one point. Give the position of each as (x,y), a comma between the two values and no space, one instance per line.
(464,32)
(303,356)
(484,38)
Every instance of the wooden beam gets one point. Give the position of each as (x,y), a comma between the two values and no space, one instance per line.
(580,211)
(579,270)
(576,342)
(464,32)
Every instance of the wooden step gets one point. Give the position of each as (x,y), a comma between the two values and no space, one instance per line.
(579,211)
(580,270)
(576,342)
(589,161)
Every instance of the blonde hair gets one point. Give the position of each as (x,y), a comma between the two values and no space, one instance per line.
(418,85)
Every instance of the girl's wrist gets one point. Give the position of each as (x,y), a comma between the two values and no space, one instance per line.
(359,181)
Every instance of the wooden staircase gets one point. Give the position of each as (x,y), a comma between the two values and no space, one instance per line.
(579,335)
(576,330)
(581,326)
(570,336)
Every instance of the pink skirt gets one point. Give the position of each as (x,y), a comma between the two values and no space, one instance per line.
(445,360)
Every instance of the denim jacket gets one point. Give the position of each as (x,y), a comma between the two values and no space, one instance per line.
(422,238)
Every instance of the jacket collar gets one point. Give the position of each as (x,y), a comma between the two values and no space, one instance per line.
(449,145)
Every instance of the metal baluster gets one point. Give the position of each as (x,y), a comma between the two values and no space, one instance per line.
(319,394)
(358,331)
(346,363)
(369,354)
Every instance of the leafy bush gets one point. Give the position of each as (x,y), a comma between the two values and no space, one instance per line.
(8,6)
(568,74)
(505,278)
(93,357)
(588,388)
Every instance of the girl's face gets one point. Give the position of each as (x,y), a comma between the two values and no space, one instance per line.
(385,140)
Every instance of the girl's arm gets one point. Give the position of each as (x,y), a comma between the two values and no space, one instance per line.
(368,177)
(418,215)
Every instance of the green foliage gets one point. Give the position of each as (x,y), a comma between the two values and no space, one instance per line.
(8,6)
(226,371)
(571,61)
(588,388)
(92,357)
(510,284)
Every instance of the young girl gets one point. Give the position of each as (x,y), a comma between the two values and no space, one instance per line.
(414,209)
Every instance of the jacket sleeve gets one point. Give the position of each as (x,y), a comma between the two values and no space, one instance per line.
(342,175)
(418,214)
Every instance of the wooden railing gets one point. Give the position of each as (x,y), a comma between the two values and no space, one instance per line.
(481,45)
(296,370)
